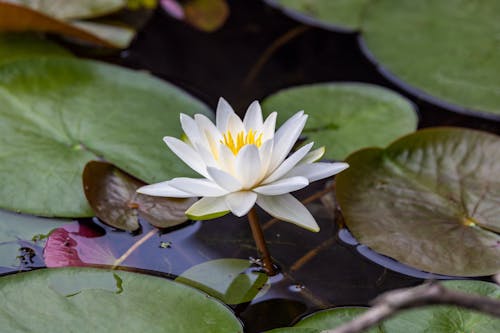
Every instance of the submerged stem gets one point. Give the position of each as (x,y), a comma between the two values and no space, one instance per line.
(134,247)
(258,237)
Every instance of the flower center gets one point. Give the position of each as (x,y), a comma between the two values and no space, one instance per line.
(235,143)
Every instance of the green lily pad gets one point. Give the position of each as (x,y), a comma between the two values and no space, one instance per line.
(445,51)
(16,46)
(113,196)
(449,319)
(430,200)
(346,117)
(334,14)
(92,300)
(229,280)
(58,114)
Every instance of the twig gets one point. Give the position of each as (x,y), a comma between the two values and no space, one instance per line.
(279,42)
(432,293)
(258,237)
(134,247)
(311,254)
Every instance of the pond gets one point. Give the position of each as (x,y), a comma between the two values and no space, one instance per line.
(443,181)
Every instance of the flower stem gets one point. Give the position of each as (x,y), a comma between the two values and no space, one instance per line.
(258,237)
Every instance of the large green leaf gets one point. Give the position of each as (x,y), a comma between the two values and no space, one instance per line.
(15,46)
(58,114)
(92,300)
(345,117)
(230,280)
(449,319)
(430,200)
(345,14)
(447,50)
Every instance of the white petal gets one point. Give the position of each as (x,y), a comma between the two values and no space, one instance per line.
(285,185)
(226,159)
(286,208)
(187,154)
(288,164)
(241,202)
(285,138)
(234,125)
(163,189)
(208,208)
(247,166)
(265,153)
(224,179)
(253,117)
(224,110)
(206,155)
(199,187)
(209,132)
(316,171)
(190,128)
(313,156)
(269,126)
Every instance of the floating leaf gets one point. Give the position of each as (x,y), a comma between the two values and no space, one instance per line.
(73,9)
(449,319)
(93,300)
(333,14)
(434,194)
(16,46)
(76,245)
(345,117)
(14,17)
(112,195)
(230,280)
(444,51)
(58,114)
(206,15)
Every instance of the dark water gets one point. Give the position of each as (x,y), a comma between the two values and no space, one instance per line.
(317,270)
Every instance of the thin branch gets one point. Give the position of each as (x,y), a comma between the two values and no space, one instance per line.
(279,42)
(134,247)
(260,242)
(388,304)
(311,254)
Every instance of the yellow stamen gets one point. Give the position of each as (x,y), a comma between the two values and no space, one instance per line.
(235,143)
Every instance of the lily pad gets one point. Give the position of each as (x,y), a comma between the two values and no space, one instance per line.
(230,280)
(346,117)
(449,319)
(443,51)
(73,9)
(93,300)
(112,195)
(332,14)
(434,194)
(58,114)
(16,46)
(15,17)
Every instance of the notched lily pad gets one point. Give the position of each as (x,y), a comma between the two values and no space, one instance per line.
(96,300)
(430,200)
(346,117)
(230,280)
(112,195)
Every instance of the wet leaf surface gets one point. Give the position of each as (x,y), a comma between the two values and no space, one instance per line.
(336,14)
(15,17)
(16,46)
(345,117)
(112,195)
(443,51)
(230,280)
(85,299)
(434,194)
(205,15)
(58,114)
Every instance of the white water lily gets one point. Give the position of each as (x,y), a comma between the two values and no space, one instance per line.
(244,163)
